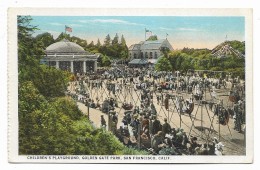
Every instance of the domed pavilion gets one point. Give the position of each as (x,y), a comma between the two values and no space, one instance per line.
(66,55)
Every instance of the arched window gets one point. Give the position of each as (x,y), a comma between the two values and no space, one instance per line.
(142,55)
(151,55)
(155,55)
(135,56)
(146,55)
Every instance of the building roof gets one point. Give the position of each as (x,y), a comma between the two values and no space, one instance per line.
(68,51)
(138,61)
(135,47)
(151,45)
(65,46)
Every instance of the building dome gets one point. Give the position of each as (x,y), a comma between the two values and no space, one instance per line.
(65,46)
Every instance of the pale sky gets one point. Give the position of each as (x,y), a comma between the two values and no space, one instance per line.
(183,31)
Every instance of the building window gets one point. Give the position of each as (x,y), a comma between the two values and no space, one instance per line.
(142,55)
(151,55)
(146,55)
(155,55)
(135,56)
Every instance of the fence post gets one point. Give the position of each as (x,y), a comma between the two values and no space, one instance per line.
(139,135)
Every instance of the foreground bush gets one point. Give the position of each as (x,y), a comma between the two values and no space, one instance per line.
(60,128)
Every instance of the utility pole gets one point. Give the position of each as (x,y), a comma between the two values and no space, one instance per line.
(87,104)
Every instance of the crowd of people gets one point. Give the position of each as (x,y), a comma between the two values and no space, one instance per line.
(140,125)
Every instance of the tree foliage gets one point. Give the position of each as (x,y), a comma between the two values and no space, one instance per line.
(98,43)
(60,128)
(152,38)
(107,40)
(123,42)
(27,56)
(45,38)
(163,64)
(63,36)
(115,40)
(202,59)
(49,81)
(114,49)
(105,61)
(57,127)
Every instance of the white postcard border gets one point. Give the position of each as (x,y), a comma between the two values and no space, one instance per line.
(13,84)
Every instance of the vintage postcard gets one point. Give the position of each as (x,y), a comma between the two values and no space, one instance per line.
(130,85)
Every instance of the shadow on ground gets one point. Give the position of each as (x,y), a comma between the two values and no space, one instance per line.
(205,129)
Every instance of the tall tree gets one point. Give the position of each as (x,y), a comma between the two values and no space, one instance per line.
(107,40)
(123,42)
(91,44)
(123,48)
(98,43)
(29,50)
(115,40)
(46,38)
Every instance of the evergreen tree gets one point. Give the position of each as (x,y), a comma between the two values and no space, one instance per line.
(98,43)
(123,48)
(91,45)
(29,50)
(115,40)
(107,40)
(123,42)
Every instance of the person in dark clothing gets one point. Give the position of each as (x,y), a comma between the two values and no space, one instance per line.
(135,124)
(124,121)
(156,126)
(238,116)
(158,99)
(166,127)
(103,122)
(145,123)
(193,145)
